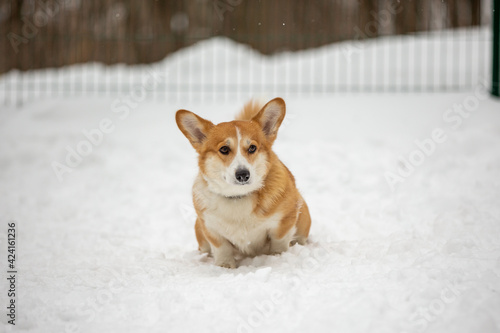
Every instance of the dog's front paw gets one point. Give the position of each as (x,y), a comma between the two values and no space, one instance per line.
(226,263)
(278,247)
(223,255)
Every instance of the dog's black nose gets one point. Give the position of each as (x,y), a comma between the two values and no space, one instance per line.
(242,175)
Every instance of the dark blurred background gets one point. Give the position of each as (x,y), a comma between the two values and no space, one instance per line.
(132,32)
(378,45)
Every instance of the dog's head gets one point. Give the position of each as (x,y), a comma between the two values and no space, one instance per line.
(234,156)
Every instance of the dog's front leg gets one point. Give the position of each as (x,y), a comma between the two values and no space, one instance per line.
(279,245)
(223,253)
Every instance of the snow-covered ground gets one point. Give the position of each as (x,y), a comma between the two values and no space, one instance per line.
(111,247)
(404,193)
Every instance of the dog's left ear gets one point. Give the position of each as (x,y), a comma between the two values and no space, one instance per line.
(270,117)
(194,127)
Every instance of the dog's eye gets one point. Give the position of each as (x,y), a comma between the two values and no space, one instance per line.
(252,149)
(224,150)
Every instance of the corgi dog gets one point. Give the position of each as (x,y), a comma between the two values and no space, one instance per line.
(245,198)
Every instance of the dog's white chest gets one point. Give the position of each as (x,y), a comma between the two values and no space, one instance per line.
(234,220)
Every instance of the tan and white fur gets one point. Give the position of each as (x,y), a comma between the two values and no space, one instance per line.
(245,198)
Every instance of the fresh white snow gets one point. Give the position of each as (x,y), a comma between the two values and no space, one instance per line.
(110,246)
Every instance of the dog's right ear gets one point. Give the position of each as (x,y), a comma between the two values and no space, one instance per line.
(193,127)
